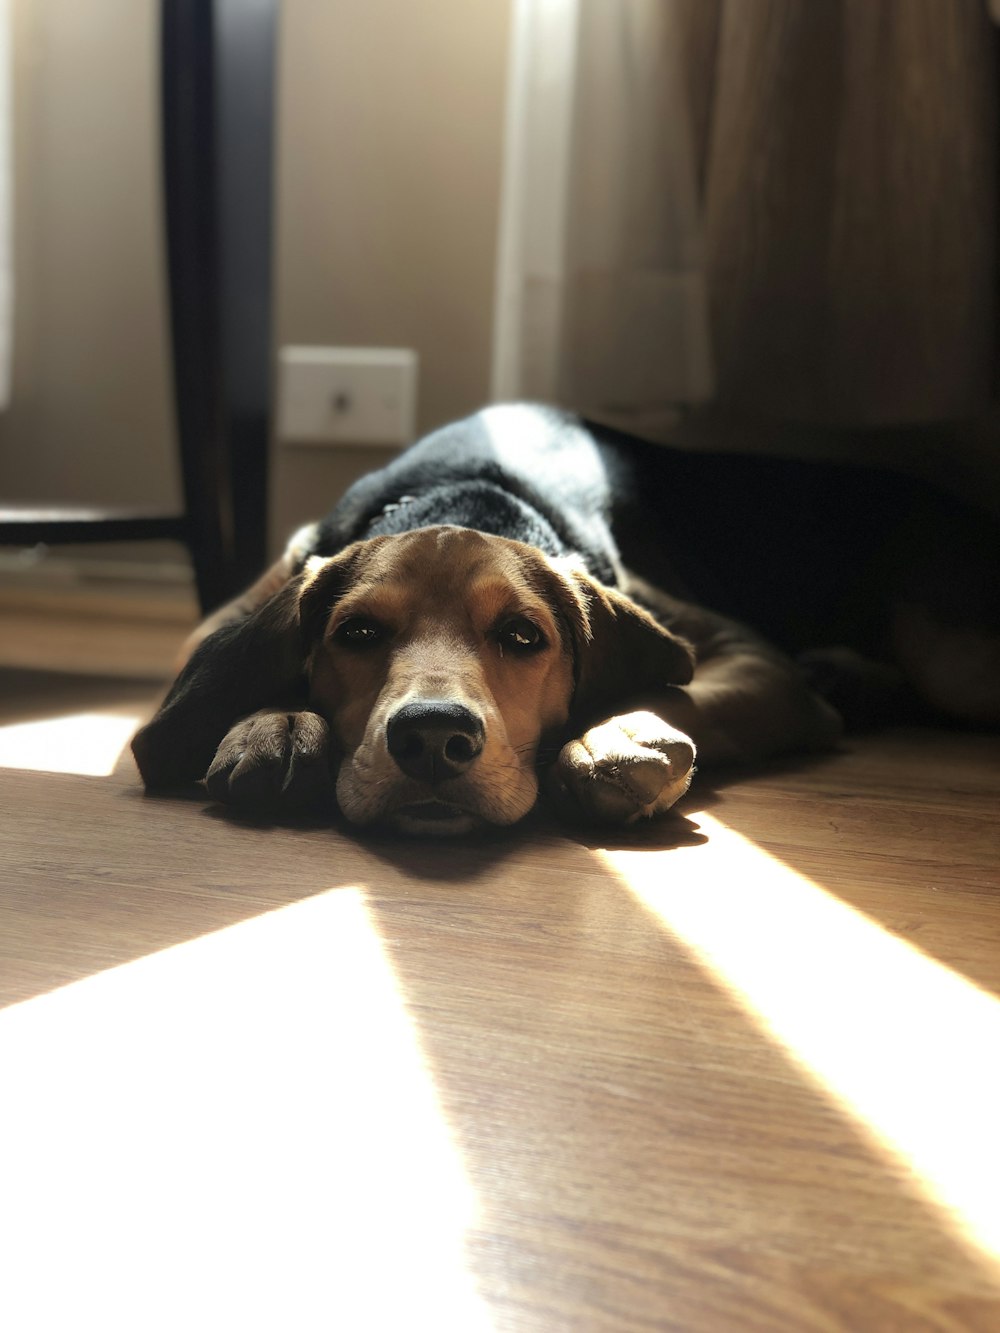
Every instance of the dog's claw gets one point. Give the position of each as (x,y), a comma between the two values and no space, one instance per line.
(273,761)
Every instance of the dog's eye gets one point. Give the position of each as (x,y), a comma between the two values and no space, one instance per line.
(359,632)
(519,635)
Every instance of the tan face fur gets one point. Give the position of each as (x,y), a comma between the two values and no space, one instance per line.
(443,617)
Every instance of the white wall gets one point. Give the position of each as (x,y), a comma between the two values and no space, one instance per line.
(390,118)
(90,417)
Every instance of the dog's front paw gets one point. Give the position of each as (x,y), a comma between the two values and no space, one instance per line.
(274,761)
(624,769)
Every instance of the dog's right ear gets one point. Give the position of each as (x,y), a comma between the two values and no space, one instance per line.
(244,666)
(626,652)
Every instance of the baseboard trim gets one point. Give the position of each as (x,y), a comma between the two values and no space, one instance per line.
(81,586)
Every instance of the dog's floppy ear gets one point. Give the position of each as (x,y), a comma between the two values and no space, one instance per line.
(622,652)
(242,667)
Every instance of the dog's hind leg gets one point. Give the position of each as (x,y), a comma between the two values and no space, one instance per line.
(956,670)
(867,694)
(747,705)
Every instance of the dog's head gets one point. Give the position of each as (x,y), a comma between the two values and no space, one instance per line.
(443,659)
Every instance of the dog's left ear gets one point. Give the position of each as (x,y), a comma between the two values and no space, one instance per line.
(244,666)
(622,652)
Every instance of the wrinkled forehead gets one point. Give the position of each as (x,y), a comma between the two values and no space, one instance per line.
(435,569)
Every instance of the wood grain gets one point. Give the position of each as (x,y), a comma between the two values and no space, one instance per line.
(638,1150)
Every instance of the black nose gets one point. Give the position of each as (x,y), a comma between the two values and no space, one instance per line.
(434,740)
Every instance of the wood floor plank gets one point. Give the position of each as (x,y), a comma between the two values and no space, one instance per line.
(585,1124)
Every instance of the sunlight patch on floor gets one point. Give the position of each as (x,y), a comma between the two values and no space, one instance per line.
(237,1132)
(88,744)
(908,1047)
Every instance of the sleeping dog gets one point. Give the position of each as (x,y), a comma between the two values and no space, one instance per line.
(520,598)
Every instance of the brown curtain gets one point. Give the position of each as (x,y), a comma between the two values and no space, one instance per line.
(849,178)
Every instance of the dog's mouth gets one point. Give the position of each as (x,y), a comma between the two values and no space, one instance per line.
(433,818)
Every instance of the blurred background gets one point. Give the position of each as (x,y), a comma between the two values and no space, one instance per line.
(737,224)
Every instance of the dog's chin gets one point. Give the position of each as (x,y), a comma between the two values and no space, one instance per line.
(433,819)
(419,810)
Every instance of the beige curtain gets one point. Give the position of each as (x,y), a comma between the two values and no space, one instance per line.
(601,298)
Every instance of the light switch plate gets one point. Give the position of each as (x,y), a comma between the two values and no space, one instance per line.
(350,395)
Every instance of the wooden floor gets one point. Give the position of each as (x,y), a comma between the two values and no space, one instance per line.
(740,1072)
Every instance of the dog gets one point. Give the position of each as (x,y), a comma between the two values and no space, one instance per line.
(523,600)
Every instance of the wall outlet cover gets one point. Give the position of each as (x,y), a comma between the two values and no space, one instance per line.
(347,395)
